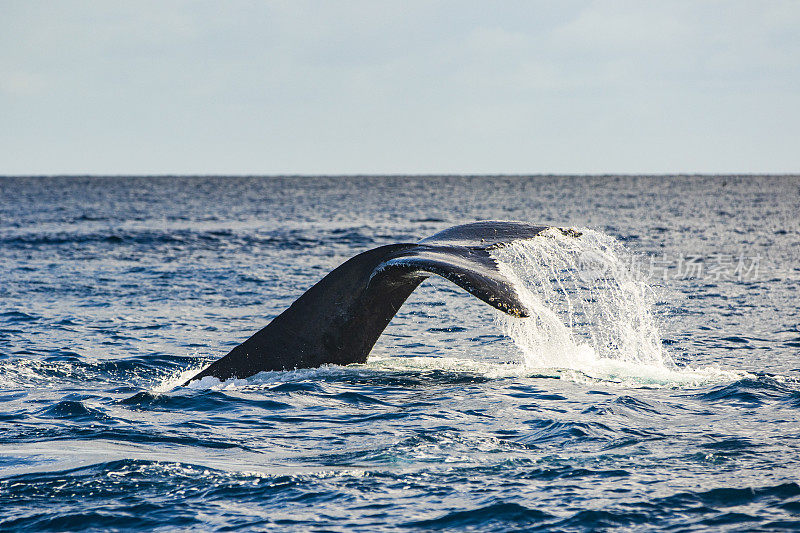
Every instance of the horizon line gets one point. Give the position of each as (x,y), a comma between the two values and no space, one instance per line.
(410,175)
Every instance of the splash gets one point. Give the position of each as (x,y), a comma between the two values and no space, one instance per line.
(590,310)
(177,379)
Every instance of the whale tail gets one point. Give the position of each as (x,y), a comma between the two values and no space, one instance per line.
(338,320)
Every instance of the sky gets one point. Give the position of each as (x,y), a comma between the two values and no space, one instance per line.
(399,87)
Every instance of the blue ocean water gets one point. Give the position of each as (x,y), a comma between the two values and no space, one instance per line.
(114,289)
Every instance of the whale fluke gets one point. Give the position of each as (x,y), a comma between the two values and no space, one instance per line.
(338,320)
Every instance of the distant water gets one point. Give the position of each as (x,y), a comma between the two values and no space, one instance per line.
(657,385)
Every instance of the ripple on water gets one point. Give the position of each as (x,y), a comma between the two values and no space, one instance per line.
(115,291)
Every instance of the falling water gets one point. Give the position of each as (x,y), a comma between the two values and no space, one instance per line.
(588,306)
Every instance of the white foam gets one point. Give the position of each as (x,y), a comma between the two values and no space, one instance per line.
(265,379)
(176,380)
(584,370)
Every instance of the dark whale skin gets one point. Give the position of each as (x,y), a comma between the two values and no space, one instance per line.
(339,319)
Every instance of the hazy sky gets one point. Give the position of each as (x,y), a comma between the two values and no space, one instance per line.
(373,86)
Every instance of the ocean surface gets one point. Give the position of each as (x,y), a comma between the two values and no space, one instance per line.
(656,387)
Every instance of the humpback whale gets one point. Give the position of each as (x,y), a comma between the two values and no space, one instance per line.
(338,320)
